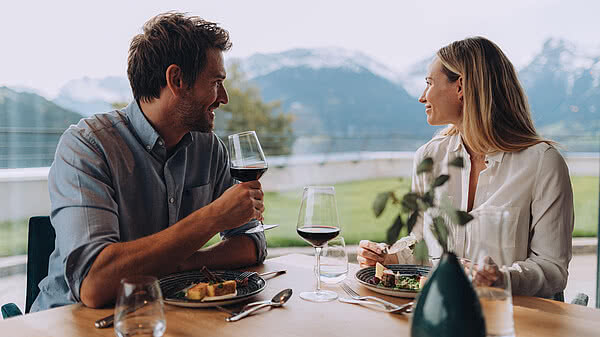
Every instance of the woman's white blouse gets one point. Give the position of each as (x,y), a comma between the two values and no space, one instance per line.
(533,185)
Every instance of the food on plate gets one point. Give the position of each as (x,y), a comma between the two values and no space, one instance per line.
(221,288)
(197,292)
(385,277)
(214,289)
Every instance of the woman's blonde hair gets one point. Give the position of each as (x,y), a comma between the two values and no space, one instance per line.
(495,113)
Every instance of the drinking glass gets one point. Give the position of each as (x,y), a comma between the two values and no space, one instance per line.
(139,309)
(317,224)
(487,258)
(247,161)
(334,261)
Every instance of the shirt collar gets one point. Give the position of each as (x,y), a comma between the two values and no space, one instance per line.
(496,157)
(456,144)
(144,130)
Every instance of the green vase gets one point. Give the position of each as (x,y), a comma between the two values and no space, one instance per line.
(447,305)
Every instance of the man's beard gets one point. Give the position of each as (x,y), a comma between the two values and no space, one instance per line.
(190,118)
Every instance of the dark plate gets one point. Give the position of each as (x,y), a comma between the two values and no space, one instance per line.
(364,275)
(172,285)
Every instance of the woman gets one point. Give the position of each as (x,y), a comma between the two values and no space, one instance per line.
(473,87)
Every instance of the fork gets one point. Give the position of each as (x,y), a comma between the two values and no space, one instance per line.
(356,296)
(402,309)
(245,275)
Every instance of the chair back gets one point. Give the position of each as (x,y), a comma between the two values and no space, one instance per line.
(40,244)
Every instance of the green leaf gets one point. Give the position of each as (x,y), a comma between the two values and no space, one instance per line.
(412,220)
(440,231)
(425,166)
(421,252)
(380,202)
(441,180)
(462,218)
(457,162)
(428,199)
(409,201)
(394,231)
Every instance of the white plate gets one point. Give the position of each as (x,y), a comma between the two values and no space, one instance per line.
(364,275)
(172,285)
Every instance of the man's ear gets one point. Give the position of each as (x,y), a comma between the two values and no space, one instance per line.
(459,88)
(174,78)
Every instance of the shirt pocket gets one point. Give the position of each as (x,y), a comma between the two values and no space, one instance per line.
(496,239)
(195,197)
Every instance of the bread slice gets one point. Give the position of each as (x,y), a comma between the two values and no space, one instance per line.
(221,288)
(197,292)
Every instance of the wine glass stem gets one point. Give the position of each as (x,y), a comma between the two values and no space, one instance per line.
(318,254)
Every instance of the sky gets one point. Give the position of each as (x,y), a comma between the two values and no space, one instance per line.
(44,44)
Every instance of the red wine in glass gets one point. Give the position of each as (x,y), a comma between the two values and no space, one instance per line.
(318,223)
(247,161)
(250,173)
(318,235)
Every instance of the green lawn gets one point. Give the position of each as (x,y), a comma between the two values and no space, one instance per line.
(358,222)
(354,201)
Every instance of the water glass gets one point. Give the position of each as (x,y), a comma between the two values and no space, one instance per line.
(139,309)
(334,261)
(489,270)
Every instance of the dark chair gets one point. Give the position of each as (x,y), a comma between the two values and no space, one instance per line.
(40,244)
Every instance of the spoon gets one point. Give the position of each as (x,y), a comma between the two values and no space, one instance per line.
(278,300)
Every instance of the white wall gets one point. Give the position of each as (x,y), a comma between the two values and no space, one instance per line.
(24,192)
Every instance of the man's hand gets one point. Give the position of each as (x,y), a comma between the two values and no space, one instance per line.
(370,253)
(239,204)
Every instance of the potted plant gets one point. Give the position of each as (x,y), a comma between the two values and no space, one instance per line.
(447,304)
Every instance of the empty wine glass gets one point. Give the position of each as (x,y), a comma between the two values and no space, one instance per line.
(247,160)
(139,309)
(318,223)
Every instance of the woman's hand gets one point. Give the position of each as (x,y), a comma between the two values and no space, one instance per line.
(369,253)
(484,274)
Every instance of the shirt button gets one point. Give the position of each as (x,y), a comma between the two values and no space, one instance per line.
(171,200)
(160,142)
(148,147)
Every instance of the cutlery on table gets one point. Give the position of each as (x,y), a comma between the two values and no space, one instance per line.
(405,308)
(278,300)
(356,296)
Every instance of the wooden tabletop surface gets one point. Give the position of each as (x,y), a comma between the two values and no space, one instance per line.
(533,316)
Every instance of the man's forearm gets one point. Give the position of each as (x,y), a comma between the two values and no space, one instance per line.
(158,254)
(220,254)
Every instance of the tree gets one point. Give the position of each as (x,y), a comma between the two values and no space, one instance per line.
(247,111)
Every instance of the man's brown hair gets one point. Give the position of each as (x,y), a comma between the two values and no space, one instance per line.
(171,38)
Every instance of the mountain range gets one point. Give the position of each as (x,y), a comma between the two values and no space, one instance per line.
(347,95)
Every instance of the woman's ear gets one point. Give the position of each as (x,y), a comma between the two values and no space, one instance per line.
(174,78)
(459,88)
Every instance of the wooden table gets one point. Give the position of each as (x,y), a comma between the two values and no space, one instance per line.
(533,316)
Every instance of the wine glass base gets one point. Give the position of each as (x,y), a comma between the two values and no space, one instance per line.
(319,296)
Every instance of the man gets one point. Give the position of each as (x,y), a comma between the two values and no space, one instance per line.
(140,191)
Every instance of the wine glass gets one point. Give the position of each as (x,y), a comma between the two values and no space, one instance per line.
(248,161)
(318,223)
(139,309)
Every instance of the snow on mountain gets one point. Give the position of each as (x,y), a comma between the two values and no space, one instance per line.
(262,64)
(566,61)
(109,89)
(413,77)
(90,95)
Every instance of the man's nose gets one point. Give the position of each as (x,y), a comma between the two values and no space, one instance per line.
(223,97)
